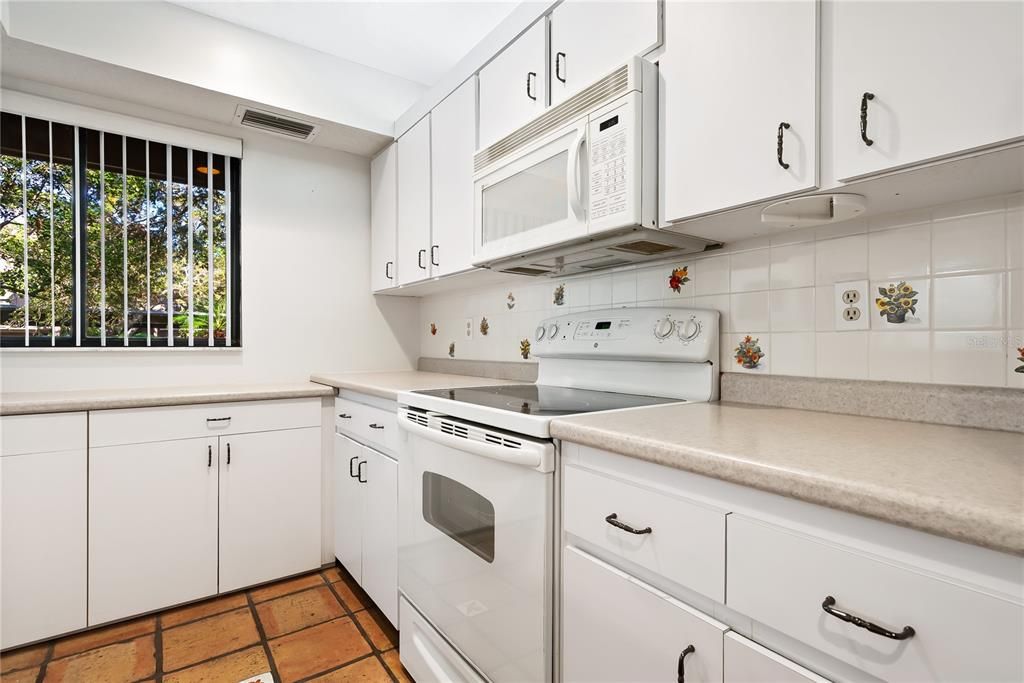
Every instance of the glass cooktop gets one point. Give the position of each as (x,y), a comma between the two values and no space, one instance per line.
(545,401)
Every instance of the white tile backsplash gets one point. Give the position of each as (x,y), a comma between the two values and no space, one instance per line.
(964,260)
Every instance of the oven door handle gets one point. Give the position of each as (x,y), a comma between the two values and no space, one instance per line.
(538,456)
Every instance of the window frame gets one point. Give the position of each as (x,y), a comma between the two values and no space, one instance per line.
(79,242)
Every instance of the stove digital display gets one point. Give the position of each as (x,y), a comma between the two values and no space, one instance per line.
(603,325)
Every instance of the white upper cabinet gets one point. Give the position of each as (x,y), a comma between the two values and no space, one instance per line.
(383,218)
(452,143)
(513,86)
(589,39)
(738,104)
(414,203)
(913,81)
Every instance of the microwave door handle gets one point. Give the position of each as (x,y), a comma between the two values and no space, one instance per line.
(573,173)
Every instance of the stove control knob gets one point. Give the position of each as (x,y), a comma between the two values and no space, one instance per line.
(663,328)
(552,330)
(689,330)
(539,333)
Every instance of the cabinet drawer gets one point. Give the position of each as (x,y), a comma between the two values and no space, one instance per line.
(42,433)
(141,425)
(748,662)
(617,628)
(686,543)
(781,578)
(371,425)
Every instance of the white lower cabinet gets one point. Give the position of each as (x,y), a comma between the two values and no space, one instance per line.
(269,506)
(152,526)
(43,535)
(366,520)
(617,628)
(748,662)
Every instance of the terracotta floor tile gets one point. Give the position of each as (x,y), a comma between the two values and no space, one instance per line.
(21,675)
(276,590)
(348,596)
(395,665)
(23,658)
(90,640)
(380,639)
(367,670)
(117,663)
(207,638)
(333,574)
(317,649)
(234,667)
(298,610)
(176,617)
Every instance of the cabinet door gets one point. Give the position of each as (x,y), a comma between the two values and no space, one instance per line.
(748,662)
(452,143)
(380,532)
(414,203)
(269,506)
(513,85)
(42,545)
(152,526)
(383,218)
(734,75)
(640,639)
(946,77)
(626,29)
(348,506)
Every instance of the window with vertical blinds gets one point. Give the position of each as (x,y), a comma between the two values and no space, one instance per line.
(110,240)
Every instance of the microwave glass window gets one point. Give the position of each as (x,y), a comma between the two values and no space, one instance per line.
(460,513)
(527,200)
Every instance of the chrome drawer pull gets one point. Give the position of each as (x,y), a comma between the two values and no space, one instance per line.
(374,425)
(827,605)
(344,416)
(218,419)
(680,674)
(613,519)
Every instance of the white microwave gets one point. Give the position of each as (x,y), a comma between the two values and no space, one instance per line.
(576,188)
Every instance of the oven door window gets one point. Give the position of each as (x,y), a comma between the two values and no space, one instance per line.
(460,513)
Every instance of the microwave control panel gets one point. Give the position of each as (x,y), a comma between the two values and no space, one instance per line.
(609,164)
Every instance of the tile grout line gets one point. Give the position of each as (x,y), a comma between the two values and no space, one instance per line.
(375,651)
(158,645)
(47,658)
(274,674)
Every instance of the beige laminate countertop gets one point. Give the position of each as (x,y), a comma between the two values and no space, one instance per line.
(389,384)
(27,402)
(958,482)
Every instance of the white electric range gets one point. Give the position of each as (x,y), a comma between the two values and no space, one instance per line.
(477,525)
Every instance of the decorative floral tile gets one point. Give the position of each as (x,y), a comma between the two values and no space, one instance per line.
(485,326)
(899,305)
(1015,358)
(678,278)
(510,301)
(451,350)
(748,353)
(433,329)
(559,295)
(524,349)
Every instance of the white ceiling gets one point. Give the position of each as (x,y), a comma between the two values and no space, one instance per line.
(419,41)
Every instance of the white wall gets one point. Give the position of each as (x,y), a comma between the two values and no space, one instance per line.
(306,305)
(965,260)
(173,42)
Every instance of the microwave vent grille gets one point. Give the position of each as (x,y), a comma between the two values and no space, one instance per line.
(609,87)
(645,247)
(611,262)
(526,270)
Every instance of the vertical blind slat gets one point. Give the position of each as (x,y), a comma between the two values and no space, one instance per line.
(169,202)
(24,223)
(228,301)
(149,302)
(103,242)
(124,233)
(209,249)
(78,289)
(191,265)
(53,279)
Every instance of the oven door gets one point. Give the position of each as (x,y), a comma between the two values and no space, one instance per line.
(475,546)
(535,198)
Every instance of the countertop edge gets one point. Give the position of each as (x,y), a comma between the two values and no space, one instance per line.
(360,387)
(72,405)
(966,526)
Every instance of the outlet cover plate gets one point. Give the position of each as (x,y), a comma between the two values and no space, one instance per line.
(852,306)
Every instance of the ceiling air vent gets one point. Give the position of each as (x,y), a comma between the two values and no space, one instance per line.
(277,124)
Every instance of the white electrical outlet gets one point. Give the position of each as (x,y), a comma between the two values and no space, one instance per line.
(852,305)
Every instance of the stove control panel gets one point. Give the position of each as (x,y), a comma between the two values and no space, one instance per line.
(676,334)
